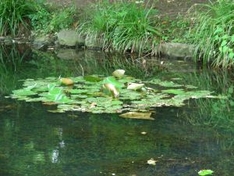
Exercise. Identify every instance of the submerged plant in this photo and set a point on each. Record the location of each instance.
(124, 26)
(214, 34)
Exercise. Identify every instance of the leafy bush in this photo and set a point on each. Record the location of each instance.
(214, 34)
(18, 16)
(14, 15)
(46, 21)
(124, 26)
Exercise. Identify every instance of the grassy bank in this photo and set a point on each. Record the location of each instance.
(131, 26)
(20, 17)
(124, 27)
(213, 34)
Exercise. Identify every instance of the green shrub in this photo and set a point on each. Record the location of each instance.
(124, 26)
(14, 15)
(19, 16)
(214, 34)
(47, 21)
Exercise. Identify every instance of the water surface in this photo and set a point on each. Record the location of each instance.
(35, 142)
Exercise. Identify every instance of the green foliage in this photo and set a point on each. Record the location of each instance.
(214, 34)
(46, 21)
(14, 15)
(41, 19)
(176, 30)
(124, 26)
(18, 16)
(205, 172)
(87, 94)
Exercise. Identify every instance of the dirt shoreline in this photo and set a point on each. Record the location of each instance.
(167, 8)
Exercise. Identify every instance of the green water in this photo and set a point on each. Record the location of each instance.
(183, 140)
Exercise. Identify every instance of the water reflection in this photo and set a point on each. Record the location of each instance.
(181, 140)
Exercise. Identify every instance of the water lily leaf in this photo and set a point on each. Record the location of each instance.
(88, 94)
(119, 73)
(92, 78)
(23, 92)
(174, 91)
(164, 83)
(63, 99)
(116, 102)
(198, 94)
(77, 91)
(38, 99)
(55, 90)
(79, 96)
(113, 81)
(79, 79)
(40, 89)
(137, 115)
(130, 95)
(205, 172)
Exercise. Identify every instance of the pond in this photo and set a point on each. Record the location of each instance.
(180, 141)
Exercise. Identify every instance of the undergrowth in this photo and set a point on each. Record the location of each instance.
(18, 17)
(14, 16)
(123, 26)
(48, 21)
(214, 34)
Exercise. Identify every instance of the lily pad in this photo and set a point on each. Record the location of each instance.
(99, 94)
(23, 92)
(174, 91)
(205, 172)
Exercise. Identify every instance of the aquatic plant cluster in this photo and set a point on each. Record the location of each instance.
(99, 94)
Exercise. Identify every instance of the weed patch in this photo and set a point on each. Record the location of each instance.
(124, 26)
(214, 34)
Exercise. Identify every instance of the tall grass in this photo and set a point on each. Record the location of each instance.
(18, 17)
(214, 34)
(125, 26)
(14, 15)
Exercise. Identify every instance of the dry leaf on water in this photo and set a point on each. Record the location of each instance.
(135, 86)
(151, 161)
(66, 81)
(137, 115)
(118, 73)
(112, 89)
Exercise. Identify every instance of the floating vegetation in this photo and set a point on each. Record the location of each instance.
(112, 94)
(137, 115)
(205, 172)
